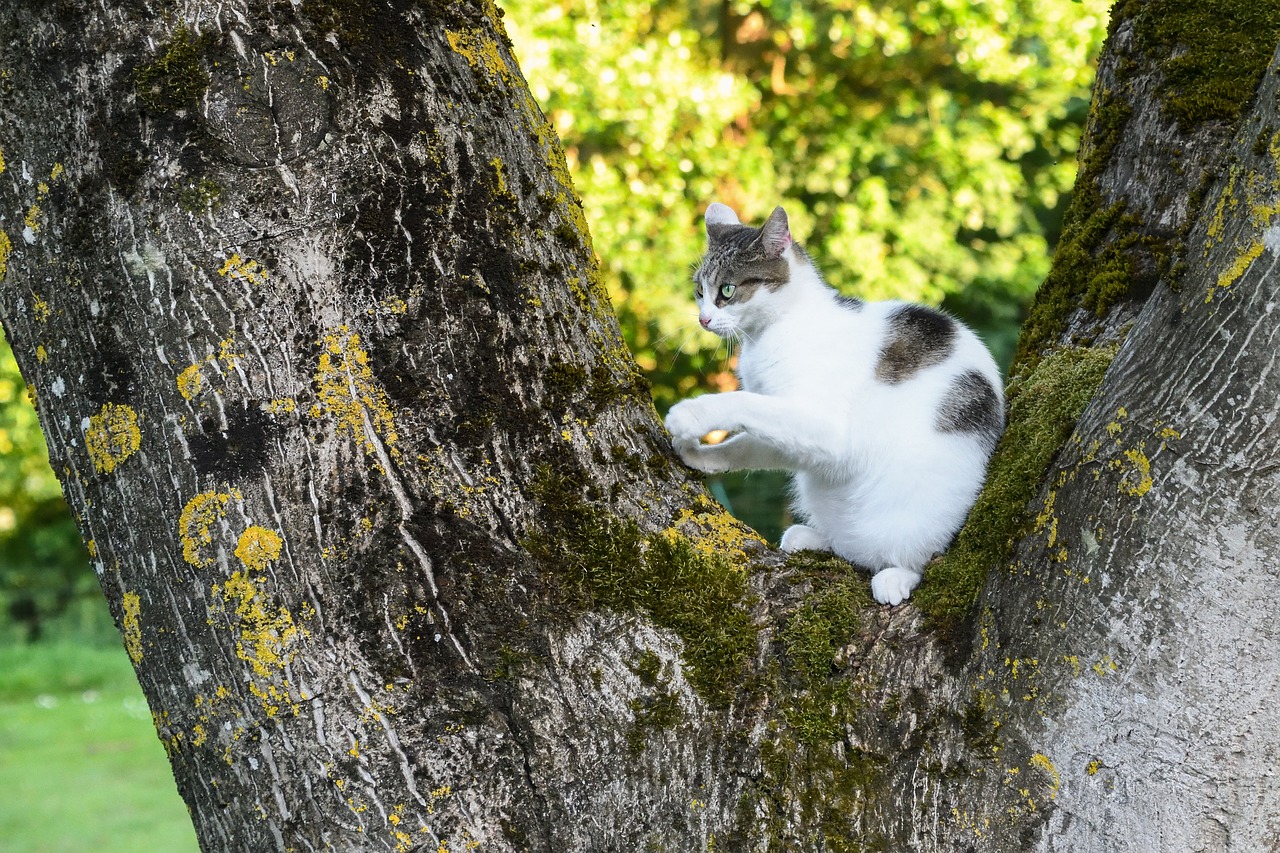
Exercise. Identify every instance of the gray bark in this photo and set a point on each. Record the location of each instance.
(399, 549)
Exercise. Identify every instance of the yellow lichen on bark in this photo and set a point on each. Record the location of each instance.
(6, 249)
(244, 269)
(258, 547)
(1237, 269)
(713, 532)
(195, 524)
(350, 394)
(132, 606)
(190, 381)
(1043, 763)
(266, 637)
(40, 308)
(112, 437)
(480, 51)
(1137, 481)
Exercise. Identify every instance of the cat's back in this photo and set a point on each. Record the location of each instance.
(919, 343)
(936, 375)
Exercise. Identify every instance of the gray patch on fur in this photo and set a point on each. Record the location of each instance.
(917, 337)
(972, 406)
(736, 255)
(850, 302)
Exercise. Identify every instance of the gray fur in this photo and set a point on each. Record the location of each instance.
(972, 405)
(917, 337)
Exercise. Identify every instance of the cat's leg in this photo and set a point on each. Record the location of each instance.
(800, 537)
(893, 585)
(788, 433)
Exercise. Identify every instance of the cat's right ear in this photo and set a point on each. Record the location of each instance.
(720, 215)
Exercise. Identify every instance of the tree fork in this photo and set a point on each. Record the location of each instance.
(397, 544)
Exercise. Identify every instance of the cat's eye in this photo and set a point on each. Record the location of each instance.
(726, 291)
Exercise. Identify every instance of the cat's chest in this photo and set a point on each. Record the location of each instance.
(806, 360)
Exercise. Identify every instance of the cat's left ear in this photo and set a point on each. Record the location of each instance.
(775, 234)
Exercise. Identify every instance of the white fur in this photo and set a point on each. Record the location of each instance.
(877, 482)
(720, 214)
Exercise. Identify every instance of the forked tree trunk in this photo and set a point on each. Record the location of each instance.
(400, 552)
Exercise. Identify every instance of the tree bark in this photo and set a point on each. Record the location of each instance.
(397, 544)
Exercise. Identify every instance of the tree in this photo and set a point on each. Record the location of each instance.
(400, 551)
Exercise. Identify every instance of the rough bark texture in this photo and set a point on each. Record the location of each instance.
(400, 553)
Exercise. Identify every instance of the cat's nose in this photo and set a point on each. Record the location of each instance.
(704, 320)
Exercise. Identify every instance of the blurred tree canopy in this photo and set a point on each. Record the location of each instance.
(924, 149)
(43, 566)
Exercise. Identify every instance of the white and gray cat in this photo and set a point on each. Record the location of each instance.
(886, 412)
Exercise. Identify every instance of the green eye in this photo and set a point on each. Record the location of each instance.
(726, 291)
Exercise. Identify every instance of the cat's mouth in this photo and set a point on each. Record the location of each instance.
(716, 436)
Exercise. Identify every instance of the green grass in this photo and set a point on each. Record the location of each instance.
(80, 765)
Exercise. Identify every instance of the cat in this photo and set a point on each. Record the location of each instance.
(886, 413)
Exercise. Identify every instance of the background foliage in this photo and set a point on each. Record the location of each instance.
(44, 570)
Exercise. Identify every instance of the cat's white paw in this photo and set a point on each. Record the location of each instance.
(690, 420)
(710, 459)
(893, 586)
(798, 537)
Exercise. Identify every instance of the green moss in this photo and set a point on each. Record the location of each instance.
(647, 668)
(199, 196)
(1212, 54)
(978, 730)
(176, 78)
(824, 623)
(1094, 265)
(810, 768)
(658, 711)
(351, 21)
(600, 561)
(564, 379)
(1043, 409)
(825, 785)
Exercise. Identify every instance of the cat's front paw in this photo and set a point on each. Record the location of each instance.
(893, 586)
(704, 458)
(689, 420)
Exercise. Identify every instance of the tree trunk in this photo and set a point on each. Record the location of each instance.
(400, 552)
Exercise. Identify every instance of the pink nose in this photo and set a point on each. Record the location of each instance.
(704, 320)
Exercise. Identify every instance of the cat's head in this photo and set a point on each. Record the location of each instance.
(739, 282)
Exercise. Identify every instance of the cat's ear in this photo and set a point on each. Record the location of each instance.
(720, 215)
(775, 234)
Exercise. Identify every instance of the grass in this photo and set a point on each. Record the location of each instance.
(80, 765)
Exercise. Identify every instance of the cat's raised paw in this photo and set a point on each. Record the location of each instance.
(707, 458)
(688, 422)
(799, 537)
(893, 586)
